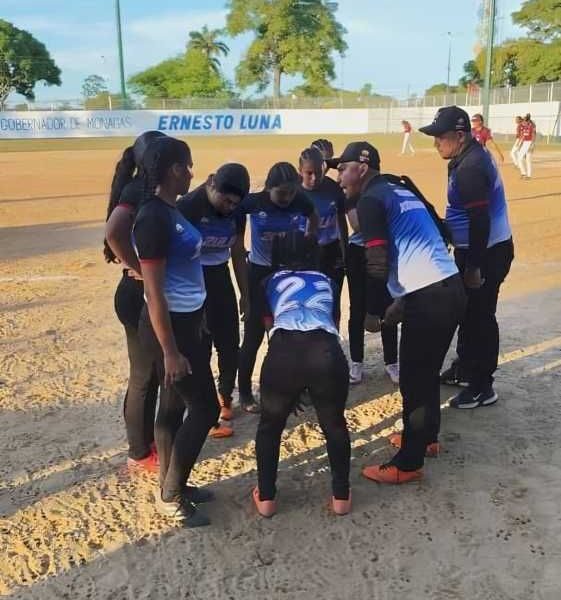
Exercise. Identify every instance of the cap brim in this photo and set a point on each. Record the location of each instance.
(332, 163)
(431, 130)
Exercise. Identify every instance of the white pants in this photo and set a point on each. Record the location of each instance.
(407, 145)
(525, 155)
(514, 152)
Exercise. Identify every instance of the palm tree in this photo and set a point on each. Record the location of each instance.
(208, 43)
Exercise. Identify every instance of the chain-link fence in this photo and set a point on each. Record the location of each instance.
(541, 92)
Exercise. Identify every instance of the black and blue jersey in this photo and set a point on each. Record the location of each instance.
(161, 232)
(475, 182)
(329, 202)
(219, 232)
(393, 216)
(300, 301)
(267, 220)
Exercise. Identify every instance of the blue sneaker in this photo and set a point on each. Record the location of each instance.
(467, 399)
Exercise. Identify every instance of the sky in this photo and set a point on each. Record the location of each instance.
(398, 46)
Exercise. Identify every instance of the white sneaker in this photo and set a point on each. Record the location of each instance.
(393, 372)
(355, 373)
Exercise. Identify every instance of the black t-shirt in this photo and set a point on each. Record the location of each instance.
(219, 232)
(132, 194)
(329, 202)
(268, 220)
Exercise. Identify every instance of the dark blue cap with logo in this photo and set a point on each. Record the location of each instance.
(449, 118)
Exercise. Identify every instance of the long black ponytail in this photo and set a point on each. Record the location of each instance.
(124, 173)
(160, 155)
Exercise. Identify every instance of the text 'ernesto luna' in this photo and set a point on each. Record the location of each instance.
(220, 121)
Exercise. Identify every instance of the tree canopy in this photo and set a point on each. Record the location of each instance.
(24, 61)
(93, 86)
(208, 42)
(291, 37)
(190, 74)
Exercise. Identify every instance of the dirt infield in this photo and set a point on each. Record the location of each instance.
(484, 523)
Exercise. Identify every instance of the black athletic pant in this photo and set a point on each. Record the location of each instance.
(180, 441)
(357, 281)
(430, 318)
(142, 390)
(331, 264)
(254, 329)
(297, 361)
(478, 334)
(222, 319)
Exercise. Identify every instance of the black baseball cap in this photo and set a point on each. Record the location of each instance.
(361, 152)
(449, 118)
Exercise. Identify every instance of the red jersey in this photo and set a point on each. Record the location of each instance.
(482, 135)
(406, 127)
(519, 131)
(527, 130)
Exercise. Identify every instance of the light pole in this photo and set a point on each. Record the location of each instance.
(449, 61)
(491, 10)
(120, 50)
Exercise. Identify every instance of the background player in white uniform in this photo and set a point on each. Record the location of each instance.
(407, 146)
(528, 135)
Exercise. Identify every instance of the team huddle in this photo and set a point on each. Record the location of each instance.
(307, 231)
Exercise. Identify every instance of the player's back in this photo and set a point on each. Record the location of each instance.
(301, 301)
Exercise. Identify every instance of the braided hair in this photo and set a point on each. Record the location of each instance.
(123, 175)
(281, 173)
(295, 251)
(314, 156)
(128, 168)
(159, 157)
(324, 146)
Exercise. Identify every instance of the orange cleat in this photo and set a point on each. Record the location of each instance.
(150, 463)
(266, 508)
(432, 450)
(226, 412)
(390, 474)
(220, 431)
(341, 507)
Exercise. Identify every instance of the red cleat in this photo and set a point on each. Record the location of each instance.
(391, 474)
(266, 508)
(432, 450)
(150, 463)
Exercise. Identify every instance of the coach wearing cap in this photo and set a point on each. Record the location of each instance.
(405, 249)
(477, 217)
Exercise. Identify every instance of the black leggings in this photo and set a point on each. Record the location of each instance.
(331, 264)
(223, 324)
(297, 361)
(478, 334)
(180, 441)
(357, 281)
(430, 318)
(254, 330)
(142, 390)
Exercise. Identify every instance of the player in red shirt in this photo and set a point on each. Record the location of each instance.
(483, 135)
(517, 142)
(407, 146)
(528, 137)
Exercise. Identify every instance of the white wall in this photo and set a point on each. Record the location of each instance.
(501, 117)
(64, 124)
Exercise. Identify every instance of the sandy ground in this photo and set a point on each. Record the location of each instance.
(484, 524)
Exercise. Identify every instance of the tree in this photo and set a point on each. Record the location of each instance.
(186, 75)
(93, 86)
(208, 43)
(24, 61)
(366, 90)
(541, 17)
(472, 74)
(441, 88)
(291, 37)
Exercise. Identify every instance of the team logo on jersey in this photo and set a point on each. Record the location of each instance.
(262, 215)
(205, 220)
(179, 228)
